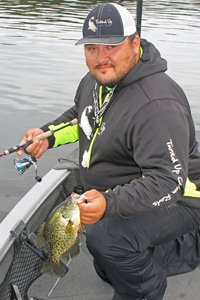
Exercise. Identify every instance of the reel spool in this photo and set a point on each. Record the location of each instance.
(21, 165)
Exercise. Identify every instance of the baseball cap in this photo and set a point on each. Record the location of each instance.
(107, 24)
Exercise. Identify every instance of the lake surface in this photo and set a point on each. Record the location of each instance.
(40, 69)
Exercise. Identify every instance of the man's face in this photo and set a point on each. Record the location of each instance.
(110, 64)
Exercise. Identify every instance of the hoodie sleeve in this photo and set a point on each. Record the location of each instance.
(159, 138)
(66, 135)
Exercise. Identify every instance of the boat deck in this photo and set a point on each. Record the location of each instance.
(82, 283)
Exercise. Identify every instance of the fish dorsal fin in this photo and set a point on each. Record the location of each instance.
(40, 240)
(73, 251)
(69, 226)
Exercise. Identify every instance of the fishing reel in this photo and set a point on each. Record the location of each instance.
(21, 165)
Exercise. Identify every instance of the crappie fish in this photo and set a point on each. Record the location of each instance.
(60, 234)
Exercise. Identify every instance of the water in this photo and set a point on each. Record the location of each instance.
(40, 69)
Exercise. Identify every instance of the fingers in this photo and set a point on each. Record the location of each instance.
(92, 194)
(90, 217)
(20, 152)
(35, 149)
(26, 138)
(38, 147)
(88, 220)
(94, 209)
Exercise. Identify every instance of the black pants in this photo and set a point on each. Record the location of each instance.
(136, 255)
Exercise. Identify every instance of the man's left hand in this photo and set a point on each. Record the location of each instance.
(93, 209)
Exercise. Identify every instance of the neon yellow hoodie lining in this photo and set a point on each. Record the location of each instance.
(191, 189)
(97, 130)
(66, 135)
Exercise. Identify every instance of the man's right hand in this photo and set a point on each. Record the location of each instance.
(37, 148)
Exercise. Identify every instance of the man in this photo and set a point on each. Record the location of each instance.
(137, 150)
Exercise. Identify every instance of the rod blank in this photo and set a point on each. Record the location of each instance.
(41, 136)
(139, 16)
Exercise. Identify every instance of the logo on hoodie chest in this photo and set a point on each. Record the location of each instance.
(85, 124)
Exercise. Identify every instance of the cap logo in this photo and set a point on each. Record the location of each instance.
(92, 22)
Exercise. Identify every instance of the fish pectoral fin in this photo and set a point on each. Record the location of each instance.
(40, 240)
(73, 251)
(82, 229)
(69, 226)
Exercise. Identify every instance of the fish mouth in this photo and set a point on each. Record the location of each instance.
(76, 198)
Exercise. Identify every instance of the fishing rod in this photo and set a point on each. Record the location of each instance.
(24, 164)
(139, 16)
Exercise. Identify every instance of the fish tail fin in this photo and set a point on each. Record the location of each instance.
(40, 240)
(73, 251)
(50, 266)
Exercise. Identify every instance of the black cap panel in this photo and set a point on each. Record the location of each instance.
(104, 20)
(107, 24)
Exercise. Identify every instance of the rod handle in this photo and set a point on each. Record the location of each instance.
(74, 122)
(46, 134)
(43, 136)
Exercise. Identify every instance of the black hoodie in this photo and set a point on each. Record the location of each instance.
(145, 147)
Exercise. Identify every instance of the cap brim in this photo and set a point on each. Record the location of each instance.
(102, 40)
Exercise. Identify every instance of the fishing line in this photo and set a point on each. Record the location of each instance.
(66, 159)
(53, 287)
(70, 259)
(5, 157)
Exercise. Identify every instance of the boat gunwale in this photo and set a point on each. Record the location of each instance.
(28, 205)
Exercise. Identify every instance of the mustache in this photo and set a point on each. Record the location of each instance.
(103, 65)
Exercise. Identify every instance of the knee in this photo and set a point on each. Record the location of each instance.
(117, 233)
(97, 239)
(90, 236)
